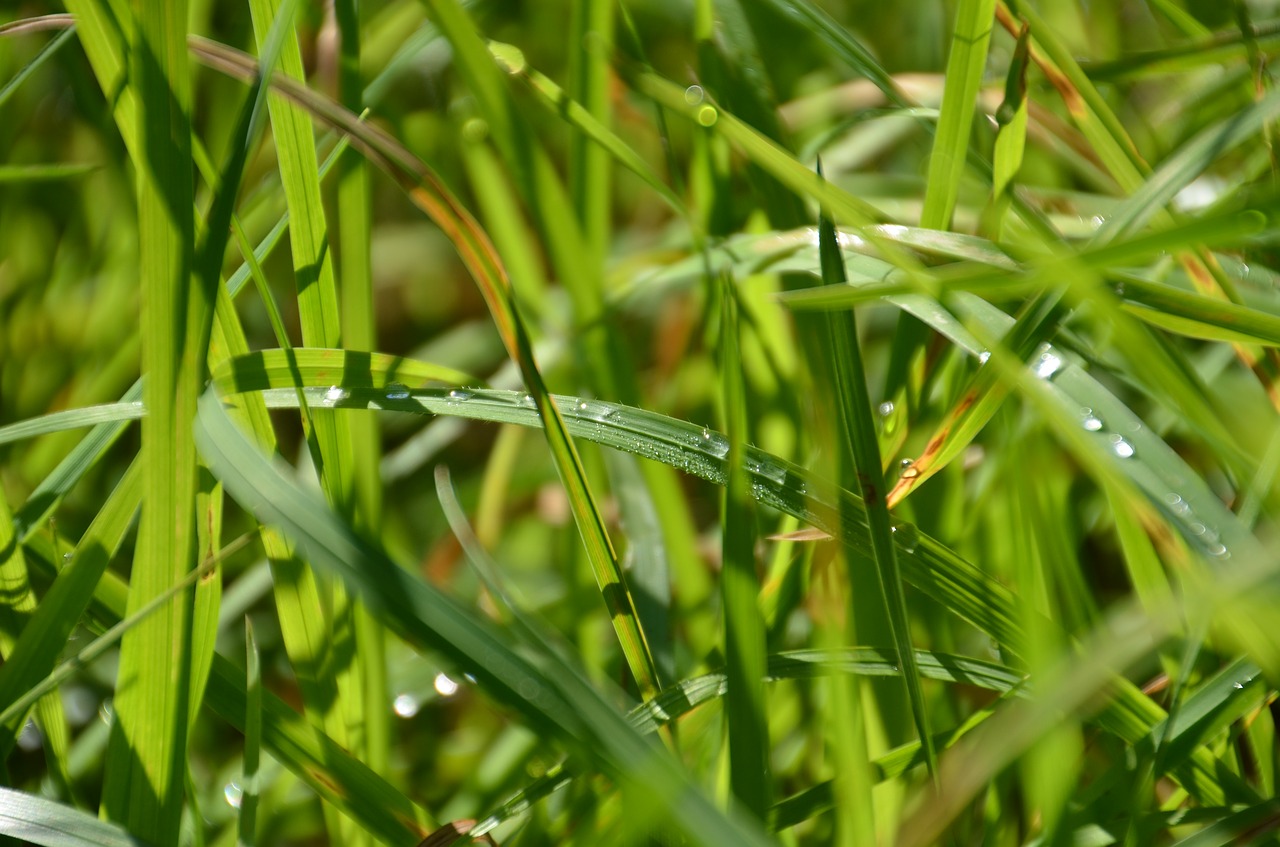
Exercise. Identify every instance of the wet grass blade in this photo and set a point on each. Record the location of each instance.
(553, 697)
(37, 820)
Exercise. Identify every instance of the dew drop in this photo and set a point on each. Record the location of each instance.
(397, 391)
(1097, 220)
(30, 739)
(1218, 551)
(458, 394)
(693, 95)
(67, 557)
(526, 400)
(444, 686)
(1120, 447)
(405, 705)
(1091, 423)
(906, 463)
(910, 473)
(1198, 529)
(715, 444)
(233, 794)
(984, 356)
(1048, 364)
(1238, 686)
(707, 116)
(906, 536)
(885, 409)
(336, 394)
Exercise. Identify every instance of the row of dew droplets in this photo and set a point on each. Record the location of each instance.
(1050, 363)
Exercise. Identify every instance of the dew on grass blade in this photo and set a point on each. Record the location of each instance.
(885, 409)
(397, 391)
(458, 395)
(233, 794)
(405, 705)
(906, 536)
(444, 686)
(1120, 447)
(1048, 364)
(693, 95)
(335, 394)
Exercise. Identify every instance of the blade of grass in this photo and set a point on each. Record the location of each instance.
(861, 449)
(143, 785)
(355, 239)
(38, 820)
(965, 65)
(744, 635)
(247, 825)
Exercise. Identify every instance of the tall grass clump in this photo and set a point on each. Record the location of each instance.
(585, 422)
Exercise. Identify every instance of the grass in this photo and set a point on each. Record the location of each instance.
(587, 465)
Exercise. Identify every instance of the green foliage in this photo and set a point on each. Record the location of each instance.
(977, 549)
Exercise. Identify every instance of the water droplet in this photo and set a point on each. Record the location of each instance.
(68, 556)
(906, 463)
(396, 391)
(594, 410)
(1120, 447)
(910, 472)
(1097, 220)
(907, 536)
(1119, 289)
(885, 409)
(526, 400)
(405, 705)
(1218, 551)
(984, 356)
(1091, 423)
(693, 95)
(459, 394)
(30, 738)
(233, 794)
(715, 444)
(1048, 364)
(1198, 528)
(336, 394)
(106, 711)
(1238, 686)
(707, 116)
(444, 686)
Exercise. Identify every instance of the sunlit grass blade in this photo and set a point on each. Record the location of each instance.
(555, 98)
(145, 764)
(965, 66)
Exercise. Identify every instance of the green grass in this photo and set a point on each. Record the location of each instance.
(586, 465)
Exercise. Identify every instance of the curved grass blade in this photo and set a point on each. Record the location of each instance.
(46, 53)
(548, 693)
